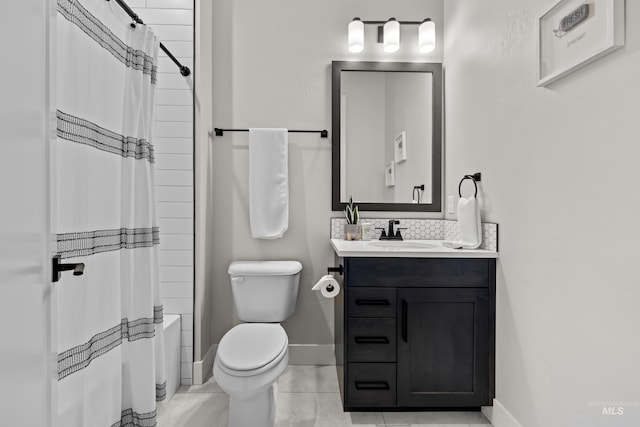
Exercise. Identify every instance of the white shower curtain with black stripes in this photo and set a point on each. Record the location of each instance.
(109, 321)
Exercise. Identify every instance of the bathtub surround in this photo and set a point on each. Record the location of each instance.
(560, 176)
(109, 321)
(173, 23)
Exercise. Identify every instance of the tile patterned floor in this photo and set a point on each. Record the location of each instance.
(308, 396)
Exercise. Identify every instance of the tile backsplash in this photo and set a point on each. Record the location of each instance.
(423, 229)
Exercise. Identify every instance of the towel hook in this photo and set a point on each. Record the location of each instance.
(475, 178)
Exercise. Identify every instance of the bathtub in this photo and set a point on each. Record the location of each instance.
(171, 326)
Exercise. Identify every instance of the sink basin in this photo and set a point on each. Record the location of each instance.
(400, 244)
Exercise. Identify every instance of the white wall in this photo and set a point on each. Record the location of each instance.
(272, 69)
(172, 20)
(559, 174)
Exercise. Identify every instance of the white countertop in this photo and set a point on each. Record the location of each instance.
(405, 249)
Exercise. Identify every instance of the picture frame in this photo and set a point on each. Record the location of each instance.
(390, 174)
(400, 147)
(574, 33)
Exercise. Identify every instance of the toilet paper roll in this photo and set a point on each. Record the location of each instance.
(328, 286)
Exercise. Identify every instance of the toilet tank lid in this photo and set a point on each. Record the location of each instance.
(264, 268)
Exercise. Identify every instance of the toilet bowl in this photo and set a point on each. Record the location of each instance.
(251, 356)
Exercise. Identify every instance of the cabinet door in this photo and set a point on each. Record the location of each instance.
(443, 347)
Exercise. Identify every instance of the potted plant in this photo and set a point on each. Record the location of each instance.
(352, 227)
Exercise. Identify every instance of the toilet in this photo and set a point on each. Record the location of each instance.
(252, 355)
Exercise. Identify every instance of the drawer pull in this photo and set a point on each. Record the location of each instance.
(405, 313)
(372, 340)
(372, 302)
(372, 385)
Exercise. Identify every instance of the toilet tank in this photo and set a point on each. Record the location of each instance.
(265, 291)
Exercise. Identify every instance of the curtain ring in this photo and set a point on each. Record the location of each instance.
(472, 178)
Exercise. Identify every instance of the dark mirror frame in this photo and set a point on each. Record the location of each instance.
(419, 67)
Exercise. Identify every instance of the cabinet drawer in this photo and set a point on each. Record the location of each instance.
(371, 302)
(418, 272)
(371, 385)
(371, 340)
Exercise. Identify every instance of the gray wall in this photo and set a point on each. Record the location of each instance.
(560, 175)
(272, 69)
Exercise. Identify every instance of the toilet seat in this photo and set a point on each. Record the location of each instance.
(249, 349)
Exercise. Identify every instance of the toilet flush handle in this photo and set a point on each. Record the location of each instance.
(237, 279)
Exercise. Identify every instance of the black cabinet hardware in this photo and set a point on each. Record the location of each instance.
(372, 385)
(405, 309)
(372, 302)
(371, 340)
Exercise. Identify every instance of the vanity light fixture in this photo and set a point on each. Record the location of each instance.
(389, 34)
(356, 35)
(427, 36)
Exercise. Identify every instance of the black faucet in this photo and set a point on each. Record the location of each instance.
(391, 234)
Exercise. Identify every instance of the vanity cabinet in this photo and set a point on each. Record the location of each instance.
(416, 333)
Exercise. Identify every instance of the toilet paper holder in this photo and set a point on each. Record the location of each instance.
(339, 269)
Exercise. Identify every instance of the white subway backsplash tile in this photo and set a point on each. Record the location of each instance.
(174, 210)
(175, 225)
(174, 97)
(178, 290)
(174, 113)
(187, 322)
(178, 306)
(170, 129)
(176, 258)
(173, 81)
(168, 17)
(174, 194)
(174, 162)
(173, 146)
(186, 370)
(186, 338)
(172, 178)
(176, 274)
(186, 354)
(183, 33)
(176, 241)
(167, 66)
(171, 4)
(179, 49)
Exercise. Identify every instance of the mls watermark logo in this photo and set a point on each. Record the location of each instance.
(613, 410)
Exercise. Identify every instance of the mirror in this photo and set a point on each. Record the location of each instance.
(387, 135)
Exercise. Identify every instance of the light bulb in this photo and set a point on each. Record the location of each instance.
(391, 35)
(356, 35)
(427, 36)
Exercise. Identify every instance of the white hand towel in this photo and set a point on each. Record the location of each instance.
(468, 224)
(268, 183)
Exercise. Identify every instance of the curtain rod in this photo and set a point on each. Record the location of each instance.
(184, 70)
(323, 133)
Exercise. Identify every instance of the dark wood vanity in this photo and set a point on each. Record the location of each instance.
(415, 333)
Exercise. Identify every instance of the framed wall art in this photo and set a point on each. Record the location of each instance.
(574, 33)
(400, 147)
(390, 174)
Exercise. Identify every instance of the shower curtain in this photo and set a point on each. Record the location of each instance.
(109, 321)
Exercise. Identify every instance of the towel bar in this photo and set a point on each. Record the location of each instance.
(323, 133)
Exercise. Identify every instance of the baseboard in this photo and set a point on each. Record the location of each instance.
(203, 369)
(499, 416)
(311, 354)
